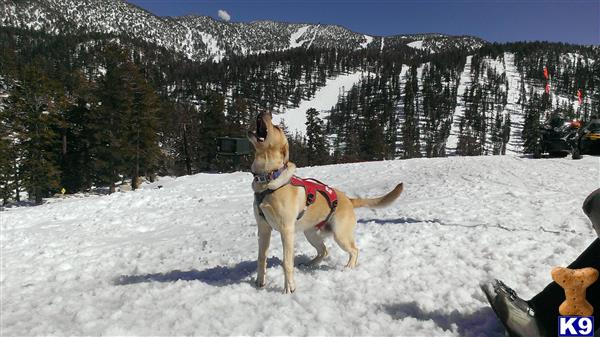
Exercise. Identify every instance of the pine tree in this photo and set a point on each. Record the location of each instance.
(32, 105)
(506, 126)
(410, 129)
(374, 145)
(77, 164)
(7, 157)
(298, 149)
(110, 121)
(143, 129)
(496, 134)
(212, 125)
(315, 139)
(531, 125)
(471, 138)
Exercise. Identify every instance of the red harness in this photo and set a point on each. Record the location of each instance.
(311, 187)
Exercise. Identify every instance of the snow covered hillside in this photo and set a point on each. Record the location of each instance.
(180, 260)
(459, 112)
(326, 97)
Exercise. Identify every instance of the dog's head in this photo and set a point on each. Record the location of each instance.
(270, 143)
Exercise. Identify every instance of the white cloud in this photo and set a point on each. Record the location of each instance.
(224, 15)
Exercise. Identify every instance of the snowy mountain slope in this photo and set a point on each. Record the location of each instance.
(296, 39)
(435, 43)
(419, 103)
(323, 100)
(459, 112)
(515, 144)
(418, 44)
(105, 16)
(201, 37)
(400, 110)
(180, 260)
(491, 68)
(517, 86)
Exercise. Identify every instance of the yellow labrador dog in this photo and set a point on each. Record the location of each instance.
(282, 206)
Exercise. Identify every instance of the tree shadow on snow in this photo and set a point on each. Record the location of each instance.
(217, 276)
(482, 323)
(398, 221)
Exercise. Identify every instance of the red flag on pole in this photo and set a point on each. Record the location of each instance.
(579, 96)
(547, 88)
(545, 72)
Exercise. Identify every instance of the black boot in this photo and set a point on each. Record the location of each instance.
(513, 312)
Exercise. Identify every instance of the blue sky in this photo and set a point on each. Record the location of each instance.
(573, 21)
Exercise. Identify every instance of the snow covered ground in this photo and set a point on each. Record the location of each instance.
(180, 260)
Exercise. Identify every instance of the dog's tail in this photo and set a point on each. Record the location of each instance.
(379, 202)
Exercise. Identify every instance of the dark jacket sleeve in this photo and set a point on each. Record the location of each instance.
(591, 207)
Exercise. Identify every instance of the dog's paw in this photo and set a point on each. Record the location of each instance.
(314, 262)
(289, 288)
(259, 284)
(349, 266)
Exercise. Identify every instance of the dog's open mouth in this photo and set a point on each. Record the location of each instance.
(261, 129)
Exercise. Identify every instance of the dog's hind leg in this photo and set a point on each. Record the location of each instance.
(316, 241)
(343, 233)
(348, 244)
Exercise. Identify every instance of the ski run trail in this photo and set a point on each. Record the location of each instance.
(459, 112)
(324, 99)
(180, 260)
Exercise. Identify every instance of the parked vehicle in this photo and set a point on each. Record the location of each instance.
(588, 139)
(558, 138)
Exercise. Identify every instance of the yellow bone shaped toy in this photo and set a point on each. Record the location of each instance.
(575, 282)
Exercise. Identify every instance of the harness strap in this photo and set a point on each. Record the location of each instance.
(325, 222)
(311, 187)
(259, 197)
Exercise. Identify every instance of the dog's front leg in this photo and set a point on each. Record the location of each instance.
(287, 237)
(264, 238)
